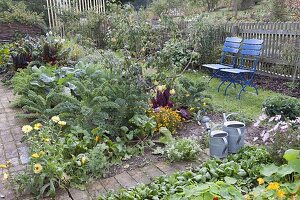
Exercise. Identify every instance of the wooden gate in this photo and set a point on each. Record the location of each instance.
(55, 7)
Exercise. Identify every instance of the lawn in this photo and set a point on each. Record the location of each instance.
(249, 106)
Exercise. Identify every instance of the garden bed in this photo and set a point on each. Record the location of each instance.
(278, 85)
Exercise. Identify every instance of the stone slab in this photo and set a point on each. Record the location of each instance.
(111, 184)
(126, 180)
(139, 176)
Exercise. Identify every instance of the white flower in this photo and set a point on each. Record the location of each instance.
(266, 136)
(284, 128)
(271, 119)
(277, 118)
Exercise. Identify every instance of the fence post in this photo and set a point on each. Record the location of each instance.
(235, 30)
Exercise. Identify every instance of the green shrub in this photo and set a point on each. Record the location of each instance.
(287, 107)
(182, 149)
(11, 12)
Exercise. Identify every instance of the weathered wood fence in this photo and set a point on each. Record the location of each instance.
(281, 48)
(56, 7)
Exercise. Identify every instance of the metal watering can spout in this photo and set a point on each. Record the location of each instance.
(206, 121)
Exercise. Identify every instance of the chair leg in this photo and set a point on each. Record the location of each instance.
(227, 88)
(221, 84)
(210, 80)
(243, 89)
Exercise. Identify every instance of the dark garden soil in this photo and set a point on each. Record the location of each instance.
(278, 85)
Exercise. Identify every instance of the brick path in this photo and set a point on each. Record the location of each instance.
(126, 179)
(11, 149)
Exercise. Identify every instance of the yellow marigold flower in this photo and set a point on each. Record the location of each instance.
(159, 88)
(3, 166)
(247, 197)
(37, 168)
(35, 155)
(27, 128)
(62, 123)
(37, 126)
(273, 186)
(5, 176)
(83, 160)
(260, 181)
(172, 92)
(47, 139)
(55, 119)
(97, 138)
(280, 193)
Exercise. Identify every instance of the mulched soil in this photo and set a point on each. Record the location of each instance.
(135, 162)
(277, 85)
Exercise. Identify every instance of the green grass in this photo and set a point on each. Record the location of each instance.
(249, 106)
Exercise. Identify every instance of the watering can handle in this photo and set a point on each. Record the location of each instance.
(226, 144)
(226, 116)
(240, 136)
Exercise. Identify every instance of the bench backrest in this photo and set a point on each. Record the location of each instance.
(251, 50)
(231, 49)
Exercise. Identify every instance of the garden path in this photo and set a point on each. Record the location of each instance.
(128, 179)
(11, 148)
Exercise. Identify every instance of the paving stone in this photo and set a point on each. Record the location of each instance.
(96, 189)
(4, 132)
(165, 167)
(7, 137)
(79, 194)
(126, 180)
(111, 184)
(180, 166)
(139, 176)
(17, 168)
(10, 150)
(152, 171)
(4, 126)
(24, 156)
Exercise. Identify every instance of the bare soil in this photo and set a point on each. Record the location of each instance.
(278, 85)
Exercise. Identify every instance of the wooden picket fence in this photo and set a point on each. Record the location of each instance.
(56, 7)
(281, 48)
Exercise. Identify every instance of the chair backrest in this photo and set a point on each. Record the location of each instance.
(251, 50)
(231, 49)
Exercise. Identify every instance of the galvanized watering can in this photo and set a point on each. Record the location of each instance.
(218, 140)
(218, 143)
(236, 133)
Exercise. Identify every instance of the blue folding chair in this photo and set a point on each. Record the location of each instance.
(244, 75)
(230, 49)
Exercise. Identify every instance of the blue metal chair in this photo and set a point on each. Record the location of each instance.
(230, 49)
(244, 75)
